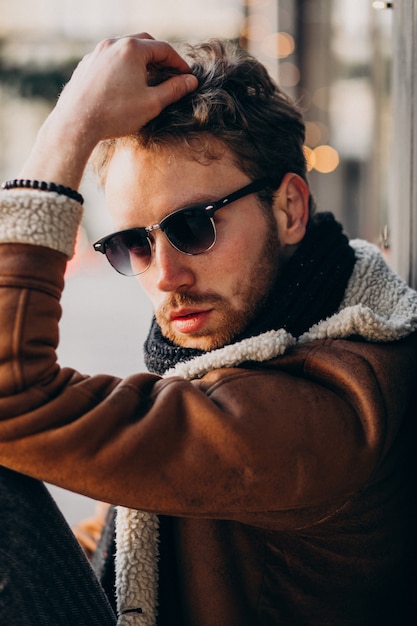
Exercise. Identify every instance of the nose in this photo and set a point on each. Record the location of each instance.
(171, 269)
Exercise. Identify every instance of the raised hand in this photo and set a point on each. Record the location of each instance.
(108, 96)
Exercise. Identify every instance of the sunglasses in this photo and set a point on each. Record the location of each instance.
(190, 230)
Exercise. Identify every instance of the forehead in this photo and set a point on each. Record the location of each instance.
(143, 185)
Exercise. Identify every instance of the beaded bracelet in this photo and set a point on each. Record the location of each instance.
(21, 183)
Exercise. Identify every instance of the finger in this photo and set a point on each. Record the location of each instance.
(162, 54)
(153, 52)
(175, 88)
(143, 35)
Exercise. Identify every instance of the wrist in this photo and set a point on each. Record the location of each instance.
(39, 218)
(60, 154)
(41, 185)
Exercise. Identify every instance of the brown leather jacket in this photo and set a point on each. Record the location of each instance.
(289, 484)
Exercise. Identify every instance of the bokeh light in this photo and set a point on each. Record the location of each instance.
(289, 74)
(326, 159)
(316, 133)
(278, 45)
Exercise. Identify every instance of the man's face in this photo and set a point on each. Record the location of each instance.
(200, 301)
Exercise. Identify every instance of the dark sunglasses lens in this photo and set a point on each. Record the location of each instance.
(129, 252)
(190, 231)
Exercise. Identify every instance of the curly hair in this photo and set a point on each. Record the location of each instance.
(237, 105)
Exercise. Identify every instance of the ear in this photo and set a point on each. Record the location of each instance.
(291, 209)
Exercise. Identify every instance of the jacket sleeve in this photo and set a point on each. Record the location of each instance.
(245, 443)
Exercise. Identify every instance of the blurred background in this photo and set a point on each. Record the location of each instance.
(334, 57)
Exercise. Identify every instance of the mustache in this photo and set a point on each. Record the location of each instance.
(180, 299)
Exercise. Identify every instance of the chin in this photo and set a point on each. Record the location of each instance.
(203, 342)
(197, 343)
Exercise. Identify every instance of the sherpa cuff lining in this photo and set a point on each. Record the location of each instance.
(41, 218)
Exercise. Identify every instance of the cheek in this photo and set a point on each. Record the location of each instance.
(237, 254)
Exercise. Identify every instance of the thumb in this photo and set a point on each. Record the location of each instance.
(175, 88)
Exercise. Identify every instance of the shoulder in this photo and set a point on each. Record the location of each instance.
(372, 383)
(329, 356)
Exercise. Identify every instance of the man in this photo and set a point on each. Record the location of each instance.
(264, 469)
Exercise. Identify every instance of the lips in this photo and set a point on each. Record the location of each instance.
(188, 321)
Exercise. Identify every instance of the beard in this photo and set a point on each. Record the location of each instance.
(251, 291)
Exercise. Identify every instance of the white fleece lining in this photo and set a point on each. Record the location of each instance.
(137, 556)
(41, 218)
(378, 305)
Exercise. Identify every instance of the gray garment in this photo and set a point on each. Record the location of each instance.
(45, 578)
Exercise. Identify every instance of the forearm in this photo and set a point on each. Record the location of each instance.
(60, 153)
